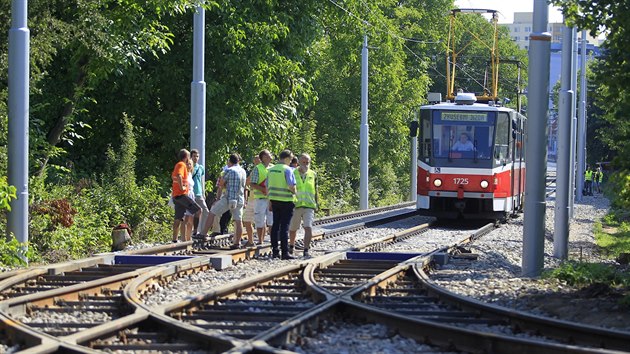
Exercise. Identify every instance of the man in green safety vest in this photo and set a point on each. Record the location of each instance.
(588, 179)
(306, 203)
(597, 179)
(281, 190)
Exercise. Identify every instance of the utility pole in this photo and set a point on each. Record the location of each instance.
(536, 149)
(564, 164)
(581, 137)
(574, 67)
(364, 127)
(198, 87)
(19, 46)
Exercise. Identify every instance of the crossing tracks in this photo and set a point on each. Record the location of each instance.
(271, 311)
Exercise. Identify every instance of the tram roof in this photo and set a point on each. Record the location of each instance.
(451, 106)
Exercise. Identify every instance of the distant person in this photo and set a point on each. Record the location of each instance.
(180, 187)
(294, 163)
(588, 181)
(463, 144)
(597, 179)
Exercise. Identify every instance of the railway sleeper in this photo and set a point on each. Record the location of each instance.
(154, 347)
(227, 312)
(108, 310)
(242, 316)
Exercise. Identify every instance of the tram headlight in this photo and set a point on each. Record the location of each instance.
(437, 182)
(484, 184)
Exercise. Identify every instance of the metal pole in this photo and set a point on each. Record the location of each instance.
(414, 164)
(364, 126)
(536, 149)
(564, 165)
(581, 136)
(572, 167)
(17, 222)
(198, 87)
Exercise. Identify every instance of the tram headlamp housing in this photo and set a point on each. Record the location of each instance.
(484, 184)
(437, 182)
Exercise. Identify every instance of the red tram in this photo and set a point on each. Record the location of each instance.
(471, 159)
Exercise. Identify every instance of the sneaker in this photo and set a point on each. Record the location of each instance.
(235, 247)
(306, 254)
(199, 236)
(249, 244)
(291, 248)
(275, 255)
(175, 241)
(287, 257)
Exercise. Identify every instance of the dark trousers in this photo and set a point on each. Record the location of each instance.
(225, 220)
(282, 213)
(589, 187)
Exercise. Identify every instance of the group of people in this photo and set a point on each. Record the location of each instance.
(280, 198)
(593, 180)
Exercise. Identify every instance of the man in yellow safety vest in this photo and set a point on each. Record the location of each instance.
(306, 203)
(281, 190)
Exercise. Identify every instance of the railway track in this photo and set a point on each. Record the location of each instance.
(274, 310)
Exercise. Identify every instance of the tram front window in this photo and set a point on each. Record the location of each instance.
(460, 141)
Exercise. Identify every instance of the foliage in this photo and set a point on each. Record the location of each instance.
(612, 72)
(7, 193)
(579, 273)
(13, 253)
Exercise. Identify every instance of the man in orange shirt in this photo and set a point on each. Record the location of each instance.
(180, 192)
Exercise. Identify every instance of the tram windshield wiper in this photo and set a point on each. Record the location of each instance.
(450, 150)
(475, 150)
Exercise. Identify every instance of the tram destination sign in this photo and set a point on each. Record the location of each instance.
(465, 116)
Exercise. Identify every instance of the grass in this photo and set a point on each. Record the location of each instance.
(612, 236)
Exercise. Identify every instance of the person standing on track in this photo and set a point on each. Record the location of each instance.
(281, 190)
(263, 217)
(248, 214)
(232, 199)
(306, 203)
(180, 187)
(588, 177)
(199, 188)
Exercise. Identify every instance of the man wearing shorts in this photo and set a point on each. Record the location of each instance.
(232, 198)
(200, 191)
(248, 214)
(263, 217)
(306, 203)
(181, 199)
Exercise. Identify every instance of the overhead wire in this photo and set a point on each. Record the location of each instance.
(396, 36)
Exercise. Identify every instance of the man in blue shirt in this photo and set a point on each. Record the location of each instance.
(198, 175)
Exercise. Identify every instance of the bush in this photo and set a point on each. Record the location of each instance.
(582, 273)
(13, 253)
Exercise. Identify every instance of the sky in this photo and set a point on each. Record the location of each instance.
(507, 8)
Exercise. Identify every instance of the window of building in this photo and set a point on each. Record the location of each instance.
(528, 29)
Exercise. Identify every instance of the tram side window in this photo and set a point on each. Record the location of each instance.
(502, 147)
(425, 135)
